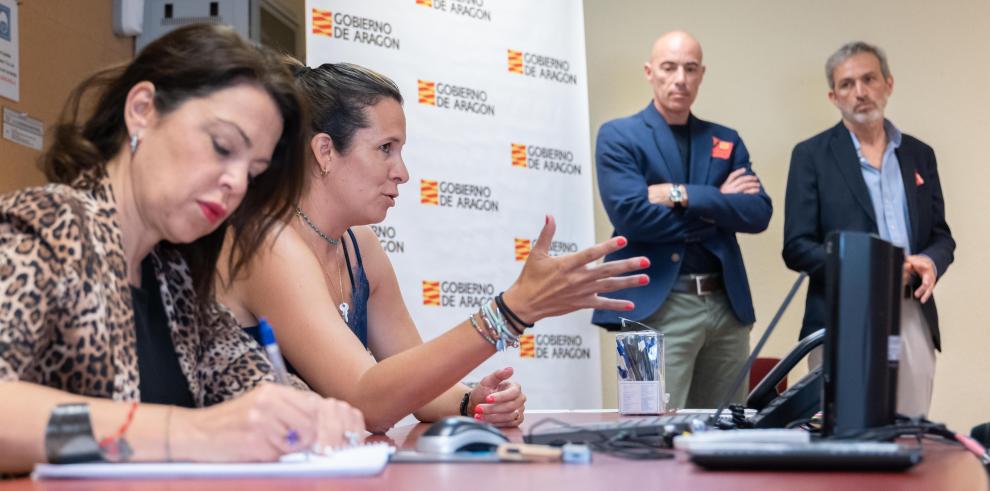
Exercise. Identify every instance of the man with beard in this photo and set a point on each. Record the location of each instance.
(863, 174)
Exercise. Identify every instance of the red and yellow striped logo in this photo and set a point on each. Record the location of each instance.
(323, 22)
(518, 155)
(431, 292)
(428, 192)
(515, 61)
(527, 346)
(523, 246)
(427, 92)
(425, 3)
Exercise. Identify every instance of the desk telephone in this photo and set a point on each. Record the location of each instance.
(800, 401)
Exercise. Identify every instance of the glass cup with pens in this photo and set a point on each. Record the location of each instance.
(640, 367)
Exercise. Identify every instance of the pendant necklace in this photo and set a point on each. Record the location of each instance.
(343, 307)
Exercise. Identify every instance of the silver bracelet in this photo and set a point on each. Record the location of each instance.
(494, 317)
(492, 331)
(489, 328)
(480, 331)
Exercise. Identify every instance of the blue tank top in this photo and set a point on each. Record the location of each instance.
(357, 318)
(360, 290)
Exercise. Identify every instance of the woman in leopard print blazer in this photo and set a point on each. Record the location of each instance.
(155, 178)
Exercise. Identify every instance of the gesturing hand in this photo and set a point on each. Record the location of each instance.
(559, 285)
(740, 182)
(498, 401)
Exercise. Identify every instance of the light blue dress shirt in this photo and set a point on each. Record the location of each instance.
(887, 190)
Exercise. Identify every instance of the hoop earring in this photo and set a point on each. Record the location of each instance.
(324, 172)
(134, 143)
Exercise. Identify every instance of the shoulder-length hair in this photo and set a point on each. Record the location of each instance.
(190, 62)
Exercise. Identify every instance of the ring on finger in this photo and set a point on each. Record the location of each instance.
(351, 437)
(292, 438)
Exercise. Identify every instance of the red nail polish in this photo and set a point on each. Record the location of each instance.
(629, 307)
(477, 416)
(478, 409)
(644, 280)
(621, 241)
(490, 399)
(546, 219)
(644, 263)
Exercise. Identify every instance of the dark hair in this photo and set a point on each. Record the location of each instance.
(338, 94)
(190, 62)
(849, 50)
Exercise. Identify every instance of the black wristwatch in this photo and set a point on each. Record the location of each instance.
(69, 435)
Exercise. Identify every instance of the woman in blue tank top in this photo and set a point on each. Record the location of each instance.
(330, 292)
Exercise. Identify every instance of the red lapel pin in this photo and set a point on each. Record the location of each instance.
(721, 149)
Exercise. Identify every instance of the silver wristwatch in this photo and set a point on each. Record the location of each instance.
(677, 195)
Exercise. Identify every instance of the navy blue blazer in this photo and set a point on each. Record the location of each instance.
(826, 192)
(637, 151)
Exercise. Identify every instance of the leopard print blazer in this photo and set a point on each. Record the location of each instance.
(66, 319)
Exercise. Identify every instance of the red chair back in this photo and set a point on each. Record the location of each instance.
(761, 367)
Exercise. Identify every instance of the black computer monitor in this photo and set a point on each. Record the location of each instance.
(862, 343)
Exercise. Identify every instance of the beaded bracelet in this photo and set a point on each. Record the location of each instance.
(478, 328)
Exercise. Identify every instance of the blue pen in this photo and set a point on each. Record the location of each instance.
(651, 356)
(274, 354)
(630, 364)
(278, 367)
(621, 363)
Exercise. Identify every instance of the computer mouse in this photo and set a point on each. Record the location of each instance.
(459, 434)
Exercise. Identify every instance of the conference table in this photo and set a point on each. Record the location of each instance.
(944, 467)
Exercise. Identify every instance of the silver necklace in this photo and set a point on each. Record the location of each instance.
(343, 307)
(330, 240)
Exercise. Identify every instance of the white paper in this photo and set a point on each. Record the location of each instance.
(368, 460)
(893, 348)
(10, 69)
(639, 397)
(20, 128)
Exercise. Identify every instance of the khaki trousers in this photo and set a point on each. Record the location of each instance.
(916, 369)
(704, 349)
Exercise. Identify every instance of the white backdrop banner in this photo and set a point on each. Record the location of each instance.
(497, 120)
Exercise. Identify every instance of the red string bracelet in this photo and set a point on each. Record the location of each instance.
(114, 447)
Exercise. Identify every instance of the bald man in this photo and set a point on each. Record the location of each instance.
(680, 188)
